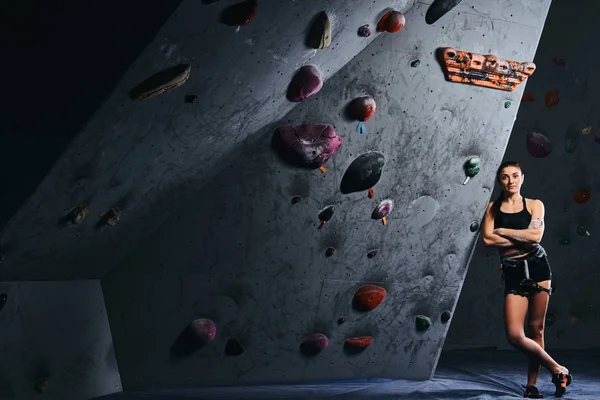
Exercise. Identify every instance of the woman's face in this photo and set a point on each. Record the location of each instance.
(511, 178)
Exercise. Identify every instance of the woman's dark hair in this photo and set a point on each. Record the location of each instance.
(498, 202)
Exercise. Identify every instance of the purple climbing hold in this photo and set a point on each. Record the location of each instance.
(314, 344)
(304, 84)
(205, 329)
(383, 209)
(597, 137)
(307, 145)
(364, 31)
(538, 144)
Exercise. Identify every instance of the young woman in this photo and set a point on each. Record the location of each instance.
(515, 226)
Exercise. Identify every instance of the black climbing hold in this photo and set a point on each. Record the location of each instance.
(191, 98)
(363, 173)
(364, 31)
(233, 347)
(3, 299)
(446, 315)
(326, 213)
(474, 226)
(296, 199)
(372, 253)
(438, 9)
(330, 251)
(423, 323)
(341, 320)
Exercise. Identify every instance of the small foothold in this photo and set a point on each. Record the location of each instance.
(392, 21)
(360, 342)
(369, 297)
(574, 320)
(341, 320)
(474, 226)
(550, 319)
(3, 299)
(314, 344)
(416, 63)
(383, 209)
(552, 98)
(296, 199)
(204, 329)
(364, 31)
(372, 253)
(112, 216)
(582, 196)
(330, 251)
(473, 166)
(570, 144)
(582, 231)
(233, 347)
(507, 104)
(79, 214)
(191, 98)
(423, 323)
(564, 242)
(41, 386)
(586, 130)
(446, 315)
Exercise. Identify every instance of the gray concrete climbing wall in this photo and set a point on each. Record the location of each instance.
(56, 332)
(574, 307)
(241, 254)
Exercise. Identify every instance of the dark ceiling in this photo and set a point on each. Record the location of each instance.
(60, 60)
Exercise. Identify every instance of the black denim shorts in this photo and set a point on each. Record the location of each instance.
(514, 272)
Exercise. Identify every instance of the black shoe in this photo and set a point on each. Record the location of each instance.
(532, 392)
(561, 381)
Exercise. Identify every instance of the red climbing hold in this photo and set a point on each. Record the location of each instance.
(307, 82)
(527, 97)
(552, 98)
(240, 14)
(581, 196)
(369, 297)
(359, 342)
(392, 21)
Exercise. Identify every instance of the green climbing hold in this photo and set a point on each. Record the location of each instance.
(507, 104)
(423, 323)
(416, 63)
(571, 144)
(473, 166)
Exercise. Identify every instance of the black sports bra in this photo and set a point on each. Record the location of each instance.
(520, 220)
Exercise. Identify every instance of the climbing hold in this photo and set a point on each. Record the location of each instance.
(564, 242)
(112, 216)
(204, 329)
(586, 131)
(41, 386)
(330, 251)
(79, 214)
(527, 97)
(446, 315)
(550, 319)
(582, 230)
(360, 342)
(296, 199)
(582, 196)
(570, 143)
(507, 104)
(552, 98)
(239, 14)
(341, 320)
(364, 31)
(574, 320)
(483, 70)
(597, 137)
(362, 109)
(191, 98)
(161, 82)
(382, 210)
(392, 21)
(3, 299)
(438, 9)
(325, 215)
(423, 323)
(372, 253)
(314, 344)
(368, 297)
(538, 145)
(474, 226)
(363, 173)
(472, 167)
(319, 36)
(307, 82)
(233, 347)
(309, 146)
(416, 63)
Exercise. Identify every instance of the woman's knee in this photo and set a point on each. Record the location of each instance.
(515, 338)
(535, 330)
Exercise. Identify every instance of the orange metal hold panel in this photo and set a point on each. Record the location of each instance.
(484, 70)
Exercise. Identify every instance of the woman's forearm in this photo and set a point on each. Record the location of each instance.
(498, 241)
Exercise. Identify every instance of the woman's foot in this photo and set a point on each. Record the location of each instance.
(532, 392)
(561, 379)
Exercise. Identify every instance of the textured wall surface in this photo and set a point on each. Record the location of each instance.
(147, 157)
(56, 331)
(575, 304)
(242, 255)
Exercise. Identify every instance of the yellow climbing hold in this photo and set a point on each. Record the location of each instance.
(586, 131)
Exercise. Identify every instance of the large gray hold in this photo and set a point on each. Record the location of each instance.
(363, 173)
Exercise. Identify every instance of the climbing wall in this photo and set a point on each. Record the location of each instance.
(561, 105)
(55, 342)
(326, 248)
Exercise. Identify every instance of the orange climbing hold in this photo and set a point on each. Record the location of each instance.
(527, 97)
(323, 169)
(392, 21)
(368, 297)
(371, 193)
(359, 342)
(552, 98)
(581, 196)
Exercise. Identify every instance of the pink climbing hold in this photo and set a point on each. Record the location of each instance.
(314, 344)
(308, 145)
(205, 329)
(304, 84)
(538, 145)
(383, 209)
